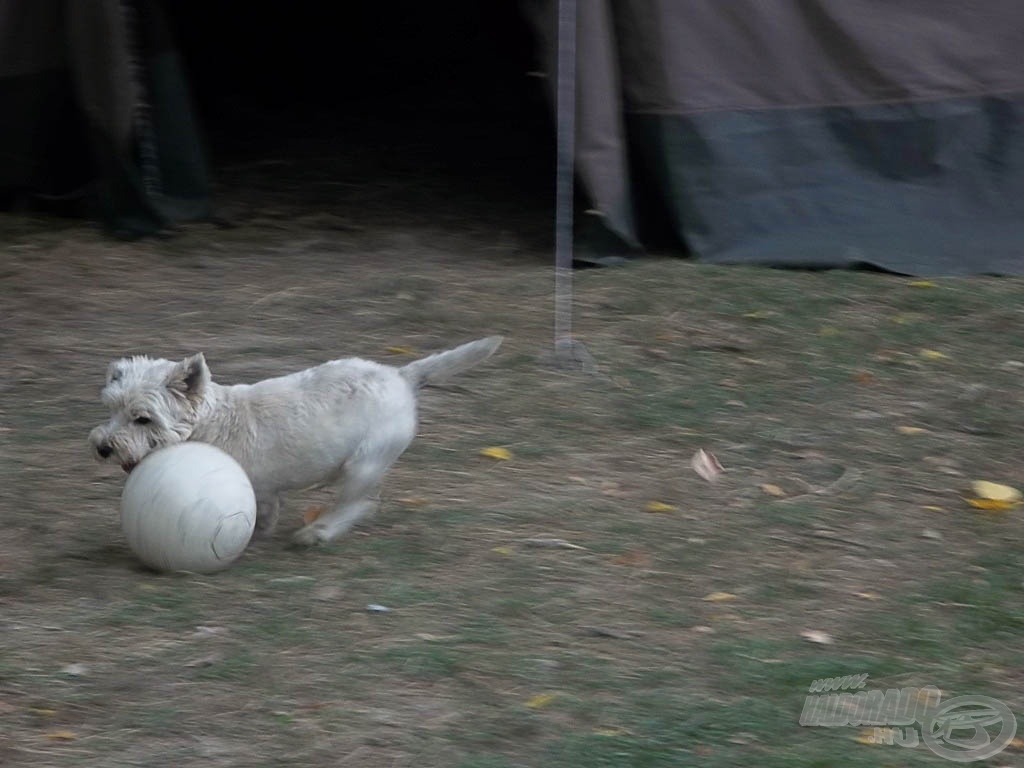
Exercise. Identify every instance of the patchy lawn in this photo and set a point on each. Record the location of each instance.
(851, 411)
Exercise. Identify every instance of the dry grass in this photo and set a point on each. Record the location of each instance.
(793, 379)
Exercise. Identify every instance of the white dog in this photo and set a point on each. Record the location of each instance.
(343, 423)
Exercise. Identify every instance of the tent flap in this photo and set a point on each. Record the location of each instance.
(822, 133)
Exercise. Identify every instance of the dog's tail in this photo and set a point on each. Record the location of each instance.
(444, 364)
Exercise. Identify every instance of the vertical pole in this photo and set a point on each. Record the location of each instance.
(564, 174)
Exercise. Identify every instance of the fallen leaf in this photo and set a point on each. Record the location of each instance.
(760, 314)
(633, 559)
(921, 284)
(610, 488)
(719, 597)
(996, 492)
(401, 350)
(427, 637)
(772, 490)
(502, 550)
(864, 377)
(933, 354)
(541, 700)
(932, 508)
(412, 501)
(498, 454)
(707, 465)
(43, 711)
(609, 732)
(300, 578)
(74, 670)
(868, 595)
(904, 429)
(62, 735)
(545, 542)
(658, 507)
(377, 608)
(992, 505)
(1017, 743)
(312, 513)
(205, 661)
(204, 631)
(816, 636)
(828, 330)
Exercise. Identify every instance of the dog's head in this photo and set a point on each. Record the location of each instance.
(152, 403)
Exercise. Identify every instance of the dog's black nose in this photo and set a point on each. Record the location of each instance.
(104, 451)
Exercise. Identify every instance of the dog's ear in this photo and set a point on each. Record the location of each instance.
(115, 371)
(190, 377)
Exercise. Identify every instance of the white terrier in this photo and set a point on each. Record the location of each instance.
(343, 423)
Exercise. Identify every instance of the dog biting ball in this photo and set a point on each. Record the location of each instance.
(188, 507)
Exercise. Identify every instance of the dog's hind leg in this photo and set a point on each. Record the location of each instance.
(359, 481)
(267, 510)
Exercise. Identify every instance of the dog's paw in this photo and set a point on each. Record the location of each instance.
(310, 536)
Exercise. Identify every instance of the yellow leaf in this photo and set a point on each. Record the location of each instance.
(401, 350)
(933, 354)
(932, 508)
(868, 595)
(828, 330)
(996, 492)
(610, 732)
(992, 505)
(773, 490)
(62, 735)
(719, 597)
(498, 454)
(904, 429)
(42, 711)
(502, 550)
(921, 284)
(900, 319)
(658, 507)
(541, 700)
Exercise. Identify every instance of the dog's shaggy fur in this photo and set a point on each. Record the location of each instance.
(343, 424)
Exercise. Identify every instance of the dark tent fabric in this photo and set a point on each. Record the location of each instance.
(94, 105)
(816, 133)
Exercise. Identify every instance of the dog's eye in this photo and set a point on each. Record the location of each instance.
(143, 420)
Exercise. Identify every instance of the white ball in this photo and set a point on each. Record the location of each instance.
(188, 507)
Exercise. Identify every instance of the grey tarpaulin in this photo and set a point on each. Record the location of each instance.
(820, 133)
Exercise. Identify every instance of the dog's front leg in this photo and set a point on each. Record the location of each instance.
(267, 510)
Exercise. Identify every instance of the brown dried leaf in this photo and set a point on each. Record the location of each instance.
(312, 513)
(707, 465)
